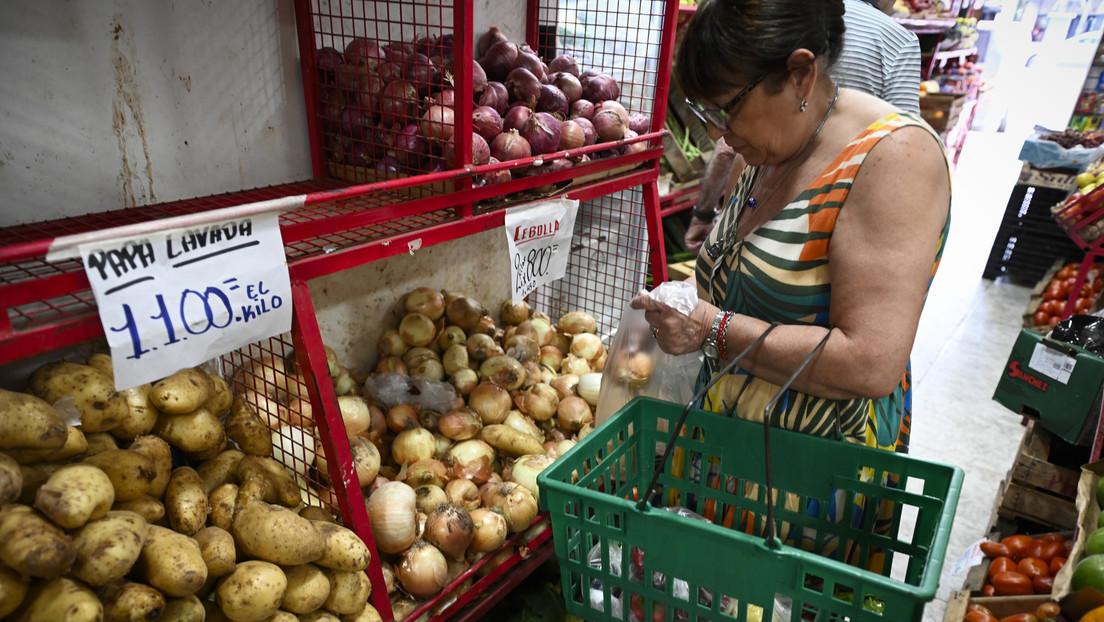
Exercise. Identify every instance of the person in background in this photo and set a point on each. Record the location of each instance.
(833, 232)
(879, 56)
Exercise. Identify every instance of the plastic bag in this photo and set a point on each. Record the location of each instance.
(636, 365)
(1042, 153)
(1085, 331)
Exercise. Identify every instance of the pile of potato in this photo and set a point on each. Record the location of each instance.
(160, 502)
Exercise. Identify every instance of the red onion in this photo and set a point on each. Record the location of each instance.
(486, 122)
(542, 130)
(569, 84)
(398, 102)
(437, 123)
(420, 71)
(364, 52)
(608, 126)
(589, 73)
(564, 63)
(489, 38)
(516, 117)
(558, 164)
(496, 177)
(510, 145)
(389, 70)
(445, 47)
(410, 148)
(572, 136)
(332, 103)
(446, 97)
(590, 136)
(354, 122)
(479, 78)
(552, 100)
(632, 147)
(499, 60)
(495, 96)
(531, 62)
(481, 152)
(388, 166)
(345, 76)
(367, 92)
(582, 108)
(639, 123)
(326, 61)
(522, 86)
(615, 107)
(600, 88)
(425, 44)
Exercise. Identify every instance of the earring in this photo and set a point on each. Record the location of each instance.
(804, 104)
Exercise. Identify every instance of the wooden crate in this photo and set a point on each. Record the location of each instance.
(1037, 489)
(1001, 606)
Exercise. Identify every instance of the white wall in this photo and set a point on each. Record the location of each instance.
(107, 104)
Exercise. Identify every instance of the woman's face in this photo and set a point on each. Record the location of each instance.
(753, 126)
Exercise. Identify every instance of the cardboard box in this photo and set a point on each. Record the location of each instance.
(1056, 383)
(1088, 513)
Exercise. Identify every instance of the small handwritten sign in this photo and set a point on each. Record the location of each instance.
(177, 298)
(539, 238)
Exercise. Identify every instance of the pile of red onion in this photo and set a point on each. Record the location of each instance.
(392, 107)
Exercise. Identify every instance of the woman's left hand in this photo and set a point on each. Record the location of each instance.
(674, 332)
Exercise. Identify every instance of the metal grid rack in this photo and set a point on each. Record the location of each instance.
(340, 221)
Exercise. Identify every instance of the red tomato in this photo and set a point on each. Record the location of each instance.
(977, 607)
(988, 590)
(994, 550)
(1056, 564)
(1097, 285)
(1042, 585)
(1052, 537)
(1041, 318)
(1013, 583)
(1020, 617)
(1033, 567)
(1054, 319)
(978, 616)
(1048, 612)
(1046, 550)
(1001, 564)
(1086, 290)
(1067, 271)
(1083, 305)
(1069, 283)
(1053, 292)
(1017, 545)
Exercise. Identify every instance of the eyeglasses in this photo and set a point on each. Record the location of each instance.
(718, 117)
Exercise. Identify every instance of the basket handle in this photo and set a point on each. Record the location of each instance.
(646, 498)
(770, 534)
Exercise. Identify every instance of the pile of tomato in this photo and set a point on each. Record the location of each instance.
(1058, 290)
(1022, 565)
(1046, 612)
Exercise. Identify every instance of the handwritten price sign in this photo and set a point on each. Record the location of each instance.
(539, 238)
(177, 298)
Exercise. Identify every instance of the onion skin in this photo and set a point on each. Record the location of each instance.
(479, 78)
(589, 135)
(450, 529)
(471, 459)
(496, 96)
(572, 136)
(516, 117)
(510, 145)
(615, 107)
(528, 60)
(423, 570)
(516, 502)
(486, 122)
(499, 59)
(599, 87)
(569, 85)
(608, 126)
(490, 530)
(552, 100)
(639, 123)
(522, 86)
(564, 63)
(398, 102)
(481, 152)
(392, 510)
(464, 493)
(542, 130)
(489, 38)
(438, 123)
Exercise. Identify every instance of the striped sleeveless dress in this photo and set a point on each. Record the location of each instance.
(779, 273)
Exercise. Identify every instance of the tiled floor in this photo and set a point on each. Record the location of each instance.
(965, 335)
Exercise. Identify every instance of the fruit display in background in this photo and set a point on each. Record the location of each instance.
(1083, 204)
(1058, 291)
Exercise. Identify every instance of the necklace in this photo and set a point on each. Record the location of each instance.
(721, 246)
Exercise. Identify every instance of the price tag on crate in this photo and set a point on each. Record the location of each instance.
(177, 298)
(539, 239)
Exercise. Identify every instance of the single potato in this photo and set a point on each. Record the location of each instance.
(75, 445)
(252, 592)
(276, 534)
(13, 589)
(221, 396)
(75, 494)
(186, 502)
(99, 442)
(348, 591)
(145, 506)
(368, 614)
(183, 392)
(279, 487)
(142, 416)
(246, 428)
(221, 469)
(307, 589)
(343, 550)
(102, 362)
(132, 602)
(59, 599)
(185, 609)
(319, 616)
(131, 473)
(107, 548)
(196, 432)
(160, 454)
(33, 545)
(11, 479)
(101, 407)
(508, 440)
(224, 504)
(172, 563)
(218, 550)
(29, 422)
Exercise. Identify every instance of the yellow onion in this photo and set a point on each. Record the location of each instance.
(560, 448)
(428, 368)
(391, 344)
(565, 385)
(584, 431)
(417, 329)
(522, 423)
(401, 417)
(460, 424)
(426, 301)
(471, 459)
(366, 460)
(572, 413)
(561, 341)
(504, 371)
(494, 560)
(538, 401)
(455, 358)
(464, 493)
(443, 445)
(491, 401)
(516, 502)
(450, 529)
(450, 336)
(525, 469)
(481, 347)
(377, 425)
(429, 471)
(523, 348)
(514, 313)
(575, 365)
(551, 357)
(389, 582)
(428, 497)
(599, 363)
(465, 380)
(422, 571)
(533, 374)
(402, 605)
(418, 354)
(345, 384)
(590, 385)
(298, 413)
(465, 312)
(575, 322)
(392, 512)
(392, 365)
(587, 346)
(487, 326)
(354, 413)
(413, 445)
(489, 530)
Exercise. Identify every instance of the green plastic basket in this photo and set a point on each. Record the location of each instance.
(726, 574)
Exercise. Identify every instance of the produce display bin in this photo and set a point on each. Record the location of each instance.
(600, 530)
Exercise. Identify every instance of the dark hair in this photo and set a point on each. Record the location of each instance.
(729, 42)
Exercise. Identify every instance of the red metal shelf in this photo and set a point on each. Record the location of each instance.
(679, 200)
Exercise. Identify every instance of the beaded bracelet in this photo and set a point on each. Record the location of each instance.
(722, 335)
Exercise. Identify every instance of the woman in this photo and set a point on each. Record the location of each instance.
(836, 224)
